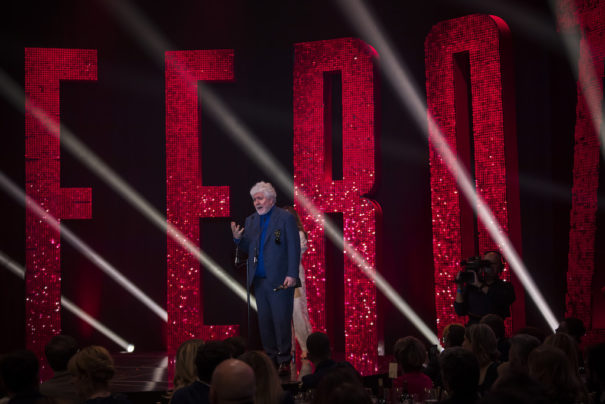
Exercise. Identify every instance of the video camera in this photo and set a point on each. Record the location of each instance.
(470, 265)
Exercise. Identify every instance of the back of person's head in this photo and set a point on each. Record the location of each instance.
(549, 365)
(93, 369)
(337, 377)
(516, 387)
(185, 371)
(453, 335)
(574, 327)
(268, 385)
(238, 345)
(483, 343)
(459, 371)
(521, 346)
(209, 356)
(19, 372)
(232, 382)
(348, 393)
(410, 354)
(539, 333)
(496, 323)
(59, 351)
(318, 347)
(567, 344)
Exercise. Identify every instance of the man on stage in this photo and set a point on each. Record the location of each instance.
(270, 236)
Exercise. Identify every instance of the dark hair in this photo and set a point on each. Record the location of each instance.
(410, 354)
(459, 371)
(237, 344)
(453, 335)
(19, 371)
(318, 345)
(549, 366)
(349, 393)
(521, 346)
(59, 351)
(516, 387)
(496, 323)
(342, 375)
(209, 356)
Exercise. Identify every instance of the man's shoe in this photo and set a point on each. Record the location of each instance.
(283, 369)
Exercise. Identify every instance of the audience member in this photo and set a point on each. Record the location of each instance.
(238, 345)
(496, 323)
(232, 383)
(328, 389)
(568, 345)
(453, 335)
(60, 387)
(19, 375)
(595, 368)
(550, 366)
(268, 385)
(411, 355)
(208, 357)
(516, 387)
(481, 341)
(185, 370)
(320, 355)
(460, 375)
(521, 346)
(92, 368)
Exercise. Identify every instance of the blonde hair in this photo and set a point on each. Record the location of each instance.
(185, 371)
(93, 369)
(568, 345)
(268, 386)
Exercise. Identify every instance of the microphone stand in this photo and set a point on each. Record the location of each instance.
(237, 262)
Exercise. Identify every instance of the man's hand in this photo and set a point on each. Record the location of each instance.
(289, 282)
(237, 230)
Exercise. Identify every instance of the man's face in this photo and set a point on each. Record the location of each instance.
(262, 204)
(491, 273)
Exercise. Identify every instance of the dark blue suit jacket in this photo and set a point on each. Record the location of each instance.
(281, 249)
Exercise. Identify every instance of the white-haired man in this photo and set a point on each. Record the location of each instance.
(270, 236)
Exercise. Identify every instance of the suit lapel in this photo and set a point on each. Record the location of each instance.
(271, 225)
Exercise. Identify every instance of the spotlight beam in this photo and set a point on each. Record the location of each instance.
(71, 307)
(156, 44)
(592, 93)
(399, 77)
(80, 245)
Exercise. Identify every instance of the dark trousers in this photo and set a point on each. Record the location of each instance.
(274, 319)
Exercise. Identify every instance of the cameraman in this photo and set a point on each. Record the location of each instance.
(487, 293)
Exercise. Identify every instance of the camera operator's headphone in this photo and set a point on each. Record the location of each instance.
(500, 262)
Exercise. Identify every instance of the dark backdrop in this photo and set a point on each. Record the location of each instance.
(121, 117)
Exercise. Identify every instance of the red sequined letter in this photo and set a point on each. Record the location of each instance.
(187, 198)
(474, 48)
(313, 178)
(44, 69)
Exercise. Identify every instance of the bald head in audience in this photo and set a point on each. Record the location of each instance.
(232, 382)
